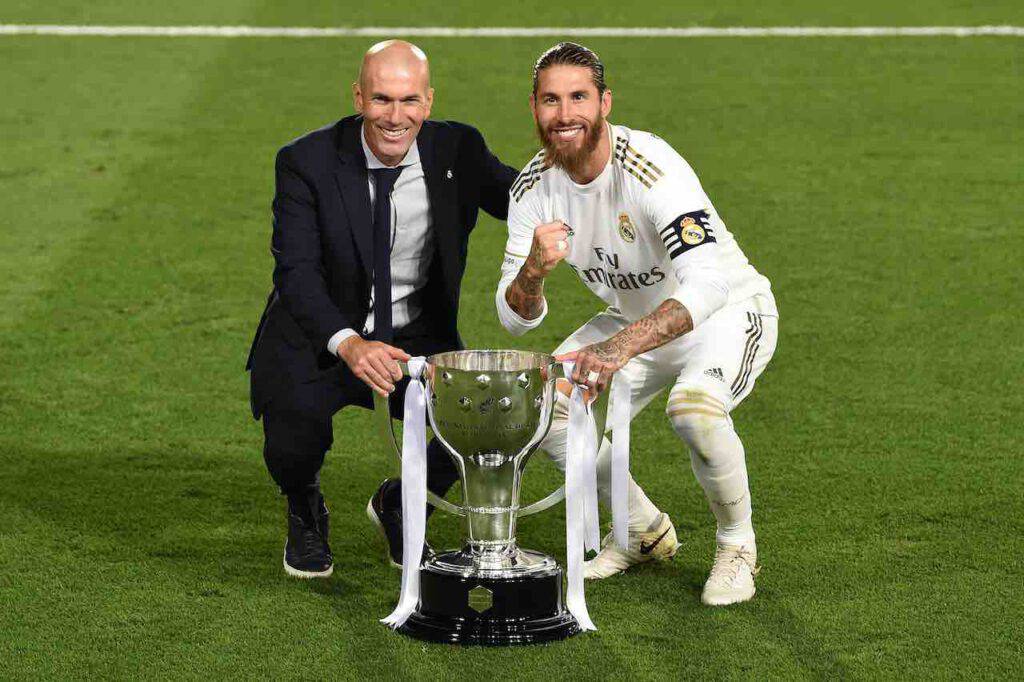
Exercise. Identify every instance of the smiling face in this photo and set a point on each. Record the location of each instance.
(394, 96)
(570, 112)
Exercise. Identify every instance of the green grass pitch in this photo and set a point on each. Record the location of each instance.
(876, 182)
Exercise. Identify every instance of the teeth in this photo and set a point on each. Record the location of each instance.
(393, 134)
(568, 132)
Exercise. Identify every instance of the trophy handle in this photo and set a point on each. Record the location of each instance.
(543, 503)
(382, 412)
(600, 408)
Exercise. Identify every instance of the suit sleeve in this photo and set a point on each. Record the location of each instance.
(495, 179)
(679, 209)
(299, 275)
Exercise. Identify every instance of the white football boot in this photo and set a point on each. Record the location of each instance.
(660, 544)
(732, 575)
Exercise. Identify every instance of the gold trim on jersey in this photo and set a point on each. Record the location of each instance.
(529, 177)
(636, 164)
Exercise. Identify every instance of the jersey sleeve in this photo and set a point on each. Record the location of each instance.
(678, 208)
(523, 217)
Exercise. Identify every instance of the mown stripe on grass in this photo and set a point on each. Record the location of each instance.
(513, 31)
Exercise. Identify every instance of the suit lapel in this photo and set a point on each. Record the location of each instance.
(355, 193)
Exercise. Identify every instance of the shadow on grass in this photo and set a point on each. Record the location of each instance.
(201, 517)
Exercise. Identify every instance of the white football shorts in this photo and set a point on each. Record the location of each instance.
(723, 357)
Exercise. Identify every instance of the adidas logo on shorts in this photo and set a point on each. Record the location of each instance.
(715, 373)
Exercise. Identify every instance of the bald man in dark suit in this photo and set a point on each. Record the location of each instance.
(372, 216)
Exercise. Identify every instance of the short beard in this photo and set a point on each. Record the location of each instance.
(572, 162)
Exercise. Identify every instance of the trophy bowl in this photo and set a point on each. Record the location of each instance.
(490, 409)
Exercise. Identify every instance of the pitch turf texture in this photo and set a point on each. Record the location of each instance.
(877, 182)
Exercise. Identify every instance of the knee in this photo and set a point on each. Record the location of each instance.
(560, 412)
(696, 417)
(289, 436)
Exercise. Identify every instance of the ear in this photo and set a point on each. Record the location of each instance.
(430, 102)
(533, 105)
(357, 98)
(606, 103)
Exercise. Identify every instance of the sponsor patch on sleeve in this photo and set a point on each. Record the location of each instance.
(686, 232)
(513, 259)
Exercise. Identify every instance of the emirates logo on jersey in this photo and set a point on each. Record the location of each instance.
(626, 228)
(612, 278)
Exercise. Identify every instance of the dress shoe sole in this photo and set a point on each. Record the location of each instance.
(375, 520)
(306, 575)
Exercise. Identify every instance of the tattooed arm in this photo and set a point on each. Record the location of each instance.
(525, 295)
(669, 321)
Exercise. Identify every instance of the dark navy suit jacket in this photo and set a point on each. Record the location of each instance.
(323, 251)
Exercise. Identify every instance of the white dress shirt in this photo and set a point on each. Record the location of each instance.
(412, 242)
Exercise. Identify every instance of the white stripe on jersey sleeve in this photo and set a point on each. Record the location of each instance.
(523, 218)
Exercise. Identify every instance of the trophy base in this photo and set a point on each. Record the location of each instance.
(490, 611)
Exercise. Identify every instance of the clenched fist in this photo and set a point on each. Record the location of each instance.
(550, 246)
(373, 362)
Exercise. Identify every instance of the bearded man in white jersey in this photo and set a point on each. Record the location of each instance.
(686, 310)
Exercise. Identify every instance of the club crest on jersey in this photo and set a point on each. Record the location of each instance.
(626, 228)
(688, 231)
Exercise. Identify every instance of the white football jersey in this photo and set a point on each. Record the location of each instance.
(642, 232)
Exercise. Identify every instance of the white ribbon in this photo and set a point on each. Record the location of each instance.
(580, 523)
(414, 494)
(592, 537)
(621, 409)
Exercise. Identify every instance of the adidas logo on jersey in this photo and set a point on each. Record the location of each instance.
(715, 373)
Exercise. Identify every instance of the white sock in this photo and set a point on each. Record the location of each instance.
(718, 461)
(642, 512)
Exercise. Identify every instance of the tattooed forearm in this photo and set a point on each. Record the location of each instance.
(610, 352)
(526, 295)
(669, 321)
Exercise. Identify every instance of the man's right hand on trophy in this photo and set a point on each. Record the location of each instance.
(373, 362)
(594, 365)
(550, 246)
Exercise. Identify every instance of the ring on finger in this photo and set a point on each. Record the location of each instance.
(592, 377)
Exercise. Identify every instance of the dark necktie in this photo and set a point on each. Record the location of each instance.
(383, 182)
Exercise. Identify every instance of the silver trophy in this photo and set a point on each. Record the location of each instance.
(490, 410)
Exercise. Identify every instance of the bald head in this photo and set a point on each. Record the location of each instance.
(391, 58)
(394, 96)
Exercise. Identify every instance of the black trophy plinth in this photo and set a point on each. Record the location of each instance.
(455, 609)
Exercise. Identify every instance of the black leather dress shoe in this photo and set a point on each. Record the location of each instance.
(306, 553)
(388, 520)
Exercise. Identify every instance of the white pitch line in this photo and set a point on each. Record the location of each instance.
(511, 32)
